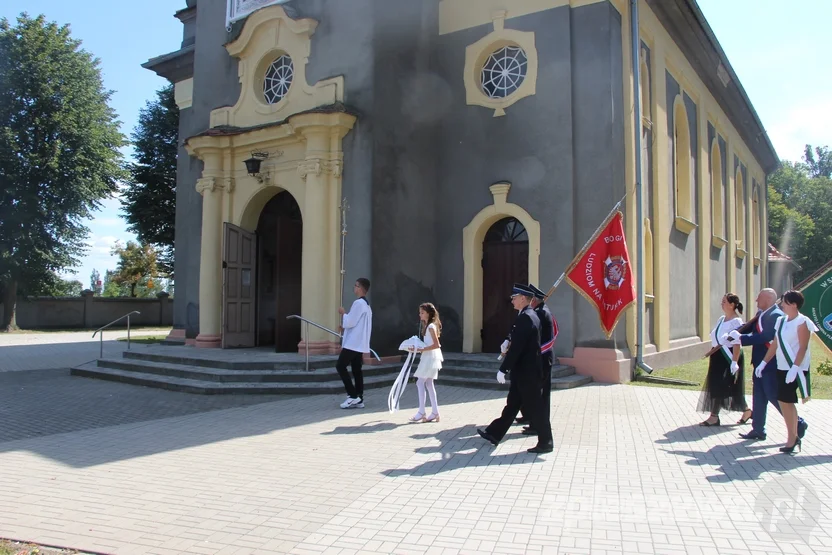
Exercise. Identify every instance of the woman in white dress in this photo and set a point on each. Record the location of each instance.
(430, 362)
(725, 383)
(792, 333)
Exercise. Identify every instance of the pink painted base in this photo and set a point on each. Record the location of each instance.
(319, 348)
(603, 365)
(176, 335)
(190, 341)
(206, 341)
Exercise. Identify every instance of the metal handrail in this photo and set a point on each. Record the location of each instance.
(320, 327)
(102, 328)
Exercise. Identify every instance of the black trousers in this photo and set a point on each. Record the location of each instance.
(546, 394)
(354, 359)
(523, 392)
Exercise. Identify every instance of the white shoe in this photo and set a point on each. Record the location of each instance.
(352, 403)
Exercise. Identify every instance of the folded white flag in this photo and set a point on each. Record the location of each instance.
(409, 345)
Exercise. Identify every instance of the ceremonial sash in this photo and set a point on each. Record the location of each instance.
(546, 347)
(760, 327)
(724, 349)
(803, 383)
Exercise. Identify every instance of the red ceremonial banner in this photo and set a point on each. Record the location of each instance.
(603, 274)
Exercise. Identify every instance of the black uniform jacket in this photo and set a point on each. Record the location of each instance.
(547, 333)
(523, 357)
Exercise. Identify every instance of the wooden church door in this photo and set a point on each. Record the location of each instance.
(505, 261)
(239, 291)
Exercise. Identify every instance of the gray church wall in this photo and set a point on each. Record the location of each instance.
(683, 247)
(409, 100)
(560, 158)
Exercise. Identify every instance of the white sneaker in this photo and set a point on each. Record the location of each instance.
(352, 403)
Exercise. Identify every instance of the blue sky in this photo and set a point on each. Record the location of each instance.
(776, 48)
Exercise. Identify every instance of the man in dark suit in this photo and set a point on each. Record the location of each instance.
(759, 332)
(547, 353)
(522, 364)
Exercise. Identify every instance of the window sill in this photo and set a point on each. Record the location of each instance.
(684, 225)
(648, 298)
(718, 241)
(741, 253)
(757, 261)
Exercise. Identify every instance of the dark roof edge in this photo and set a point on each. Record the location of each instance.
(229, 131)
(709, 33)
(174, 66)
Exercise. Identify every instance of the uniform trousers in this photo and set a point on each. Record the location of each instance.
(524, 391)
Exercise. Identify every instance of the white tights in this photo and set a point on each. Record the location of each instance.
(420, 384)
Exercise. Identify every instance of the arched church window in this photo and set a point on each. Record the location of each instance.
(278, 79)
(717, 191)
(507, 230)
(504, 72)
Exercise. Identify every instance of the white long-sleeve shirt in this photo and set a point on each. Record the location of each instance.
(358, 324)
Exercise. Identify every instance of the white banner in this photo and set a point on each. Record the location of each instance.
(238, 9)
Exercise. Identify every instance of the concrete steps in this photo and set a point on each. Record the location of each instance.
(251, 371)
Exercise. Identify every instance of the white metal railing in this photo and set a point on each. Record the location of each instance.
(320, 327)
(102, 328)
(238, 9)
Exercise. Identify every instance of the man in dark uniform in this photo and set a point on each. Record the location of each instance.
(759, 332)
(522, 364)
(547, 353)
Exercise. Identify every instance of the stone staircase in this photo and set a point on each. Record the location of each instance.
(252, 371)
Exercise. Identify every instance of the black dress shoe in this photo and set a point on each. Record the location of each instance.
(528, 431)
(801, 430)
(486, 436)
(753, 435)
(521, 420)
(548, 448)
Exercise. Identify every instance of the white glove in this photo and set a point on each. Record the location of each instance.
(504, 347)
(734, 337)
(501, 377)
(734, 368)
(792, 373)
(759, 371)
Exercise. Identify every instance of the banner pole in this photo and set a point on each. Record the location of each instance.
(586, 245)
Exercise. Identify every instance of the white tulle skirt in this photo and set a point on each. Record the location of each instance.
(429, 364)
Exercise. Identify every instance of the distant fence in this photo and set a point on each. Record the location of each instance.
(87, 311)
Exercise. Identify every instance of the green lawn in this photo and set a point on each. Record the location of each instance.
(695, 372)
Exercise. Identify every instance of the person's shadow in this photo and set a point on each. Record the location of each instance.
(366, 428)
(460, 447)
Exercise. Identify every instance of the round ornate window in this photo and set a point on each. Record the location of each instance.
(504, 72)
(278, 79)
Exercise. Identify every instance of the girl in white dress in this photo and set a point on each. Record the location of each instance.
(430, 362)
(792, 333)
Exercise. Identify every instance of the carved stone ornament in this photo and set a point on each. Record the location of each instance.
(310, 166)
(205, 184)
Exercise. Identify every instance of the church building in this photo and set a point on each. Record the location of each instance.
(454, 147)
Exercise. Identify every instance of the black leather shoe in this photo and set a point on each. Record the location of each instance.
(548, 448)
(527, 431)
(521, 420)
(486, 436)
(801, 430)
(753, 435)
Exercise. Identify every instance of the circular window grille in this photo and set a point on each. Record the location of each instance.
(504, 71)
(278, 79)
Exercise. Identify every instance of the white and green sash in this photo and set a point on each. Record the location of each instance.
(724, 348)
(804, 384)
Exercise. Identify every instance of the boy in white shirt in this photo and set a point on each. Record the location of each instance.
(357, 325)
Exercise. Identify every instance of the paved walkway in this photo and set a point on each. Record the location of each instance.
(41, 351)
(114, 468)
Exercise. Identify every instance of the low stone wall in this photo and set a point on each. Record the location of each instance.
(87, 311)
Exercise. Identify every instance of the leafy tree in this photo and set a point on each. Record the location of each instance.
(149, 199)
(819, 161)
(95, 277)
(68, 288)
(112, 289)
(59, 142)
(137, 268)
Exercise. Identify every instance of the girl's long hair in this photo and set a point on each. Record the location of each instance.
(433, 318)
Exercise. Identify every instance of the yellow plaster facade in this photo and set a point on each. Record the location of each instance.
(305, 159)
(667, 57)
(472, 237)
(456, 15)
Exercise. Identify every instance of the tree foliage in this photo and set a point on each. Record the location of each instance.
(59, 142)
(149, 199)
(137, 269)
(800, 209)
(95, 287)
